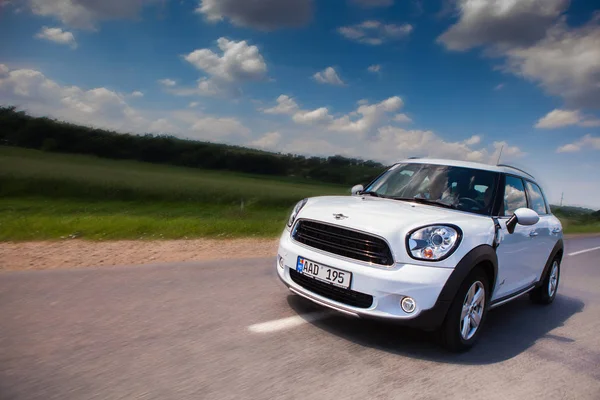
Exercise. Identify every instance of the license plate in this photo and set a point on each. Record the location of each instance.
(324, 273)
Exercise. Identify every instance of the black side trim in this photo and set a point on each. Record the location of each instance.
(512, 295)
(433, 318)
(558, 248)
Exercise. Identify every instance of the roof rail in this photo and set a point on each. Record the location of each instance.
(518, 169)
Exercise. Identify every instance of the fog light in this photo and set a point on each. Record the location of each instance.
(279, 261)
(408, 304)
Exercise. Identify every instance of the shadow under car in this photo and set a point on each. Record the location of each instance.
(508, 331)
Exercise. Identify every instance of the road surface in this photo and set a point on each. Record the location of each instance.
(230, 330)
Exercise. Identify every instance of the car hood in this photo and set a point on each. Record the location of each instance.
(389, 219)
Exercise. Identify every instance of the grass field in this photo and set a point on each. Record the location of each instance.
(53, 196)
(571, 225)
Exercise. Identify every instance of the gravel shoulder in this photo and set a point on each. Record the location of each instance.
(77, 253)
(81, 253)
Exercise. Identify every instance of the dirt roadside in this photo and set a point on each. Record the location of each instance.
(82, 253)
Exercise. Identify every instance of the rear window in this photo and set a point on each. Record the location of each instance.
(536, 198)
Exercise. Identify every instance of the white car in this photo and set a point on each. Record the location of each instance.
(429, 243)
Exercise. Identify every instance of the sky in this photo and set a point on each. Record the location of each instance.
(375, 79)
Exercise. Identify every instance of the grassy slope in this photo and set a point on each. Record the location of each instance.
(47, 196)
(51, 196)
(577, 219)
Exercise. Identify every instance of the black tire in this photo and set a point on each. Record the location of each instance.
(450, 331)
(543, 294)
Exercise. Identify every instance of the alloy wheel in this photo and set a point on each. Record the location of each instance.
(553, 281)
(472, 310)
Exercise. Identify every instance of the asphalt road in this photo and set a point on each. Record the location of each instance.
(230, 330)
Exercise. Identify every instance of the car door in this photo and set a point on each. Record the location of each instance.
(515, 252)
(545, 234)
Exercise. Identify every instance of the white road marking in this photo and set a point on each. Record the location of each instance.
(287, 323)
(584, 251)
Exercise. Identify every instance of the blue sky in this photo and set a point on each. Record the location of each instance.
(377, 79)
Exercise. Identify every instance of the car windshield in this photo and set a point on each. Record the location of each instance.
(460, 188)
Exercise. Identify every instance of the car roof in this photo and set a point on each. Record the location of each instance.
(505, 169)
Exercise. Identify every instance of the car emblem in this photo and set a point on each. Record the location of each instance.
(340, 216)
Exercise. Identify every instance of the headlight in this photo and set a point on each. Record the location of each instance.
(294, 214)
(433, 243)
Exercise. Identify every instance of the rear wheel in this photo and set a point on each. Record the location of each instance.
(467, 313)
(546, 292)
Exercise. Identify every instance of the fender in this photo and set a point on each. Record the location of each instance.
(558, 249)
(433, 318)
(480, 254)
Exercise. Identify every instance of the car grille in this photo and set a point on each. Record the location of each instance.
(344, 242)
(341, 295)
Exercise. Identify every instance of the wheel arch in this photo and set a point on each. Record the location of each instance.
(556, 253)
(483, 256)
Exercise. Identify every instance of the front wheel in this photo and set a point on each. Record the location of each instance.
(467, 312)
(546, 292)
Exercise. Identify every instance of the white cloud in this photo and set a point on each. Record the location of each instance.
(238, 63)
(137, 93)
(366, 133)
(501, 22)
(94, 107)
(101, 107)
(328, 76)
(285, 105)
(57, 35)
(568, 148)
(162, 125)
(473, 140)
(565, 63)
(167, 82)
(374, 68)
(537, 44)
(374, 32)
(265, 15)
(193, 104)
(370, 116)
(362, 121)
(269, 141)
(86, 13)
(394, 143)
(373, 3)
(499, 86)
(318, 116)
(402, 118)
(560, 118)
(585, 142)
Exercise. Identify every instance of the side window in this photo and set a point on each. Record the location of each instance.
(536, 198)
(514, 195)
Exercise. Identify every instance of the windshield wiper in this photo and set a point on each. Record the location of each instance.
(433, 202)
(370, 193)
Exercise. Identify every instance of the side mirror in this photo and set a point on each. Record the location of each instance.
(522, 216)
(356, 189)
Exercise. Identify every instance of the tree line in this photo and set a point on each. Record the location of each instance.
(18, 128)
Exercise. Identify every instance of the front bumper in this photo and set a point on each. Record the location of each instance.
(387, 285)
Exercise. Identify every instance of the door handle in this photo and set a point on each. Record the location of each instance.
(533, 234)
(556, 230)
